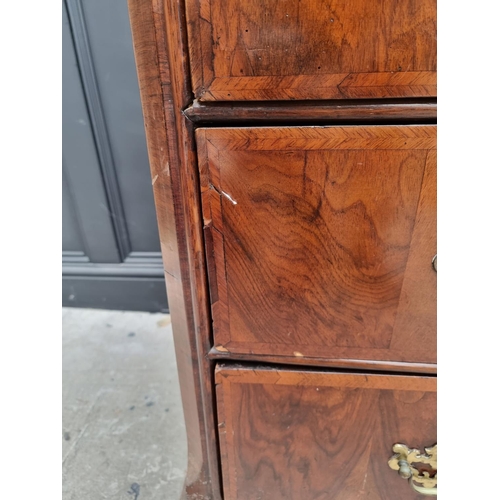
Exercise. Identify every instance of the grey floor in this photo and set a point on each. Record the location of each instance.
(123, 430)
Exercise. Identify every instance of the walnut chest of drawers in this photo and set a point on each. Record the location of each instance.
(292, 146)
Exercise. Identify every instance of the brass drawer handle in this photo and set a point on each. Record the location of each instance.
(435, 263)
(405, 460)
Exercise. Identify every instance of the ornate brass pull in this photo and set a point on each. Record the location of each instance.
(404, 462)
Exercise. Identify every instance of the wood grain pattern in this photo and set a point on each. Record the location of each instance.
(417, 310)
(319, 435)
(315, 228)
(316, 112)
(315, 241)
(161, 66)
(322, 49)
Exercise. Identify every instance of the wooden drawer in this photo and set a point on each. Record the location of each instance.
(319, 49)
(304, 435)
(320, 241)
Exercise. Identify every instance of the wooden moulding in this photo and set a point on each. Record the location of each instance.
(354, 364)
(162, 66)
(386, 110)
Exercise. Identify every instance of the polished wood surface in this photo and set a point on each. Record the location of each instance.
(417, 309)
(306, 245)
(304, 435)
(315, 112)
(161, 66)
(321, 49)
(321, 240)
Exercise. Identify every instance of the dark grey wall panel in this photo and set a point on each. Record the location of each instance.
(123, 293)
(81, 164)
(111, 255)
(110, 41)
(71, 238)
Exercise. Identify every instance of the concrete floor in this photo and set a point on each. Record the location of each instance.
(123, 428)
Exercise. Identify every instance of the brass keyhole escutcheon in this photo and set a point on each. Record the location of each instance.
(435, 263)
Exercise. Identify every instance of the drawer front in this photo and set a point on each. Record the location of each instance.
(298, 435)
(320, 240)
(319, 49)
